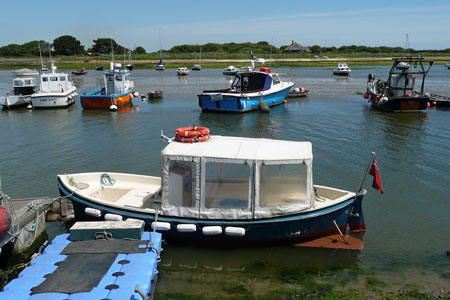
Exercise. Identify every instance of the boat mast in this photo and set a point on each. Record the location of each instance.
(40, 54)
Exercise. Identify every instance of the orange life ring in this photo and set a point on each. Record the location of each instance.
(196, 139)
(192, 131)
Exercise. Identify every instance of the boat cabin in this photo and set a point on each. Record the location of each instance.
(236, 178)
(403, 74)
(24, 86)
(255, 81)
(117, 82)
(55, 82)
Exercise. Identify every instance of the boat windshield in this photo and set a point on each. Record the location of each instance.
(236, 82)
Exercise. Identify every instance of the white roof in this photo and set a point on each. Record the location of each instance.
(242, 148)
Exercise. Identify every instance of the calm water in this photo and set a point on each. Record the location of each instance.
(408, 228)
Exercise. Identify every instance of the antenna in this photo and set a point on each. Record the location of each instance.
(112, 50)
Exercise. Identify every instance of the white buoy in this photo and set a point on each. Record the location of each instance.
(135, 94)
(186, 228)
(235, 231)
(113, 108)
(113, 217)
(212, 230)
(92, 212)
(161, 226)
(29, 106)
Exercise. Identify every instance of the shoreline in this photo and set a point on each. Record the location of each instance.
(17, 63)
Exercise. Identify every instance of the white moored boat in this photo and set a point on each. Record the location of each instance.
(21, 95)
(342, 70)
(230, 70)
(56, 90)
(182, 71)
(233, 189)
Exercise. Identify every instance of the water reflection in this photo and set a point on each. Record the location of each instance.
(201, 271)
(342, 80)
(183, 79)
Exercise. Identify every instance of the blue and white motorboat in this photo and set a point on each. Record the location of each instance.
(249, 90)
(226, 189)
(97, 260)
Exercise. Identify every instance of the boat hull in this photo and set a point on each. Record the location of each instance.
(401, 104)
(53, 100)
(240, 102)
(11, 101)
(341, 73)
(290, 228)
(97, 100)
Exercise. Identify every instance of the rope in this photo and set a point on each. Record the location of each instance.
(318, 197)
(106, 180)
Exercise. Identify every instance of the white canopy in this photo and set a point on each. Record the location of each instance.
(242, 148)
(259, 180)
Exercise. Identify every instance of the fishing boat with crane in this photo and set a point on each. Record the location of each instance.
(399, 93)
(251, 89)
(223, 189)
(117, 90)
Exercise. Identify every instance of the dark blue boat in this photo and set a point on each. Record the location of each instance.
(228, 189)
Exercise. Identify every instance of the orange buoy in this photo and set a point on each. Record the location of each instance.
(192, 134)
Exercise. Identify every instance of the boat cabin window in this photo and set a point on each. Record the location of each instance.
(28, 82)
(62, 78)
(245, 83)
(236, 82)
(18, 83)
(44, 79)
(53, 78)
(110, 77)
(127, 77)
(226, 185)
(253, 82)
(282, 184)
(276, 80)
(119, 77)
(182, 183)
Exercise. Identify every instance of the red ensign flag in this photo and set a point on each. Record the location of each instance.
(376, 184)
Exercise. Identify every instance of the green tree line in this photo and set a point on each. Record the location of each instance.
(68, 45)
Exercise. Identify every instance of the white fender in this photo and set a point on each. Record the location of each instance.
(92, 212)
(113, 217)
(235, 231)
(161, 226)
(113, 108)
(186, 228)
(212, 230)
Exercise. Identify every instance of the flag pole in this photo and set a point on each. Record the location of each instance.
(365, 173)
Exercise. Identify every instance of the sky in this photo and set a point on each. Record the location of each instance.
(155, 24)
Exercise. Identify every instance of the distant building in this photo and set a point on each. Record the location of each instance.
(296, 48)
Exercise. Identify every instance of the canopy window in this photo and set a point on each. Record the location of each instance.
(282, 184)
(226, 185)
(181, 176)
(182, 183)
